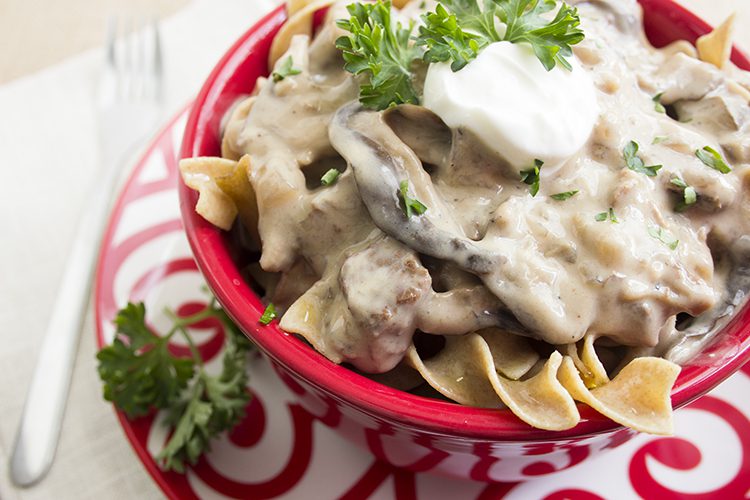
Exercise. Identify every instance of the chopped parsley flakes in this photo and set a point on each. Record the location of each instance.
(712, 158)
(411, 205)
(285, 70)
(268, 315)
(565, 195)
(330, 177)
(609, 214)
(658, 106)
(664, 236)
(689, 196)
(531, 177)
(635, 163)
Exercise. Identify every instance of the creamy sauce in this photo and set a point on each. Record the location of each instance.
(357, 285)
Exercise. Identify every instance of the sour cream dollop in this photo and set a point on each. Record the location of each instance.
(514, 105)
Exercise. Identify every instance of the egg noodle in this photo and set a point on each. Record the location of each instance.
(430, 260)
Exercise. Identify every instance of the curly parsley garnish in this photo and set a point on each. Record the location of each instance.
(530, 177)
(457, 33)
(459, 29)
(712, 158)
(382, 52)
(635, 163)
(411, 205)
(385, 53)
(286, 69)
(140, 374)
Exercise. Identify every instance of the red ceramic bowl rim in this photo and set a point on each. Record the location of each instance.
(211, 252)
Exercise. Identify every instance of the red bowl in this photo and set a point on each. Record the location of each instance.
(404, 429)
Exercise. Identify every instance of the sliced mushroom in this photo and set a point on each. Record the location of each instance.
(422, 130)
(380, 161)
(685, 78)
(721, 111)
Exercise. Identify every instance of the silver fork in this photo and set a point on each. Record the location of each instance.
(129, 104)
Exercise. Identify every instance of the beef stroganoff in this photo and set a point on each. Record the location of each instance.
(525, 213)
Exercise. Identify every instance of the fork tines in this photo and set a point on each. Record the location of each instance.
(133, 56)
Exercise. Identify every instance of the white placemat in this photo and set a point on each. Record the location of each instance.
(48, 164)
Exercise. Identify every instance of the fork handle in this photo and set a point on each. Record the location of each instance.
(39, 430)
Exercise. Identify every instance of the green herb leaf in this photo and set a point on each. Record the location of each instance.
(459, 29)
(658, 106)
(635, 163)
(269, 314)
(381, 51)
(676, 181)
(214, 404)
(285, 70)
(659, 139)
(531, 177)
(139, 374)
(330, 177)
(551, 40)
(664, 236)
(612, 216)
(689, 196)
(564, 196)
(137, 369)
(457, 33)
(609, 214)
(712, 158)
(411, 205)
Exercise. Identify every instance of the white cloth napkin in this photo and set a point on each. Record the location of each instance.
(48, 163)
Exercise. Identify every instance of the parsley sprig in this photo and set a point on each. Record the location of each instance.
(386, 54)
(459, 29)
(137, 369)
(551, 40)
(140, 374)
(382, 52)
